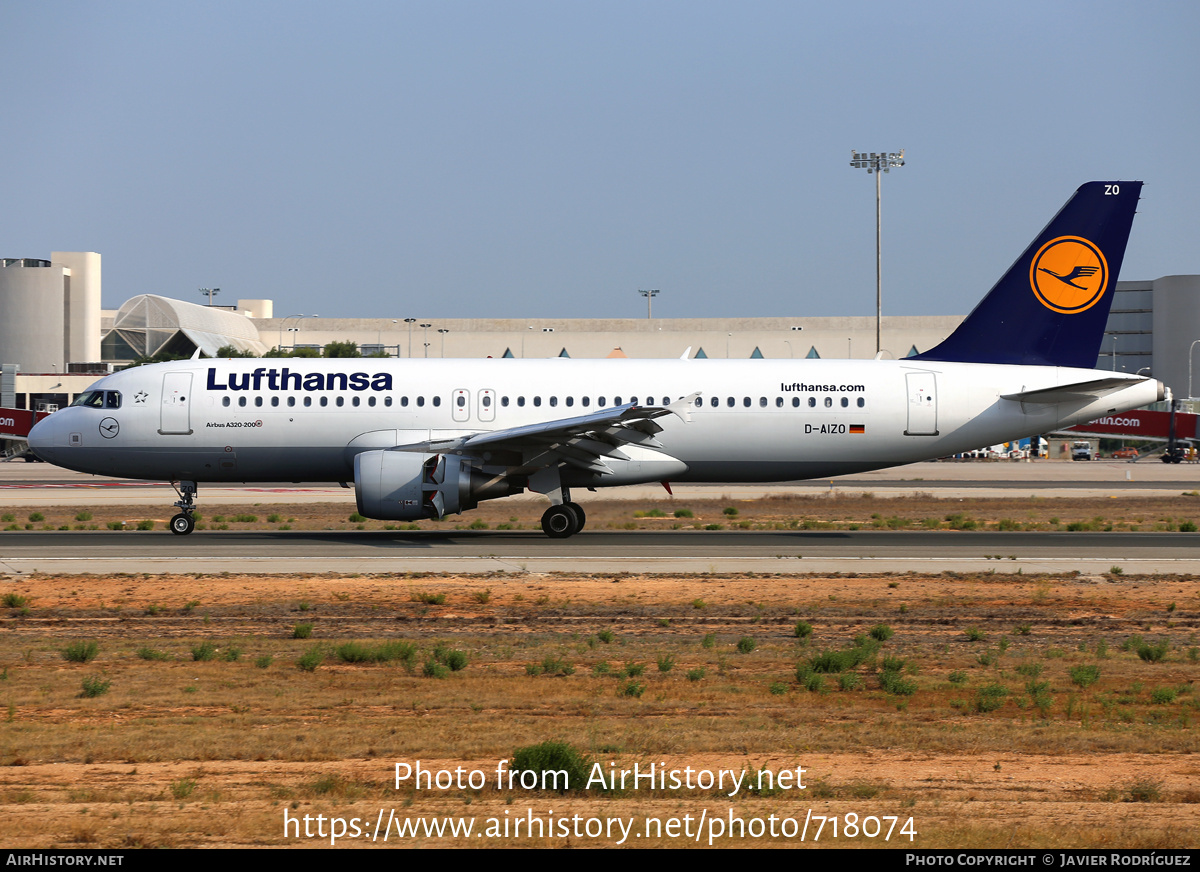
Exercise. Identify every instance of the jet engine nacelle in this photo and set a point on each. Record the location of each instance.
(404, 486)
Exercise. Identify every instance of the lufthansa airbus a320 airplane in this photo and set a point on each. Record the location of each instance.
(423, 438)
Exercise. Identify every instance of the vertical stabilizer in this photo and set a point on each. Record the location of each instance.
(1051, 307)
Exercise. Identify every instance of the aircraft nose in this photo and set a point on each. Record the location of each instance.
(48, 437)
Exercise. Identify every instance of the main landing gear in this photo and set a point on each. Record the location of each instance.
(563, 520)
(184, 523)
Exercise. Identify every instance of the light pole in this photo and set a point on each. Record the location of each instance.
(425, 337)
(210, 293)
(296, 329)
(1114, 352)
(443, 331)
(1190, 347)
(788, 343)
(649, 295)
(878, 163)
(281, 326)
(379, 338)
(410, 322)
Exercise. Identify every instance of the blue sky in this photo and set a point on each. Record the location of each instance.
(538, 159)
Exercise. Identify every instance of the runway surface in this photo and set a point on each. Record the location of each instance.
(23, 484)
(659, 552)
(40, 484)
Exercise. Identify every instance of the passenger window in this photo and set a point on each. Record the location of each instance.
(812, 401)
(716, 401)
(600, 402)
(354, 401)
(324, 401)
(861, 402)
(554, 401)
(404, 401)
(795, 402)
(829, 402)
(437, 401)
(520, 401)
(370, 401)
(504, 402)
(241, 401)
(224, 401)
(387, 401)
(699, 402)
(487, 401)
(307, 402)
(762, 401)
(258, 401)
(460, 401)
(274, 401)
(845, 402)
(779, 402)
(616, 401)
(291, 402)
(729, 401)
(570, 401)
(586, 402)
(420, 401)
(341, 401)
(537, 401)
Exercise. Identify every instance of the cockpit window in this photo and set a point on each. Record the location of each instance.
(99, 399)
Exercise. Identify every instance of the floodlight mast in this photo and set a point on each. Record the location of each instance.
(877, 163)
(649, 295)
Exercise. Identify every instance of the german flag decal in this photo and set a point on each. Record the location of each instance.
(858, 428)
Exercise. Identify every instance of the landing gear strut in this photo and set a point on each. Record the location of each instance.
(184, 523)
(563, 520)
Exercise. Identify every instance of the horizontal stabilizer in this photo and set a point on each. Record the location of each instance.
(1086, 390)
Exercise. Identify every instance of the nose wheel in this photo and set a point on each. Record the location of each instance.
(564, 520)
(184, 522)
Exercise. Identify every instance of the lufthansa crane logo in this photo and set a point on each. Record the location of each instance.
(1069, 274)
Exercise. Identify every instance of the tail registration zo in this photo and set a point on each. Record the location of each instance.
(424, 438)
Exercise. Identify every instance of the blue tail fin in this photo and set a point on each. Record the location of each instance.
(1051, 306)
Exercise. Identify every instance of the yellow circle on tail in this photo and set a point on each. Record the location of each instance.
(1069, 274)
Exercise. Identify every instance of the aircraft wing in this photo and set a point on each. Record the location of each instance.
(583, 441)
(1087, 390)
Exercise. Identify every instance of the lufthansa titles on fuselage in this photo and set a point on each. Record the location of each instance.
(286, 380)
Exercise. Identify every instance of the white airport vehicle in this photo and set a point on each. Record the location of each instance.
(423, 438)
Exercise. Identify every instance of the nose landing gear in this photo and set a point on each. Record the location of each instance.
(184, 522)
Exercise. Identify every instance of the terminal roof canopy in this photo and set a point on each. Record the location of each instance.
(147, 325)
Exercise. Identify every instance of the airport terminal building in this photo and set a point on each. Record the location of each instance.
(55, 340)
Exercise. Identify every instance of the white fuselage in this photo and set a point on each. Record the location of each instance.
(753, 420)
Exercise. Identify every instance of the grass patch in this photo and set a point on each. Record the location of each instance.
(560, 767)
(81, 652)
(94, 685)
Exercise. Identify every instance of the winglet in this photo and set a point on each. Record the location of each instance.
(1051, 307)
(682, 407)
